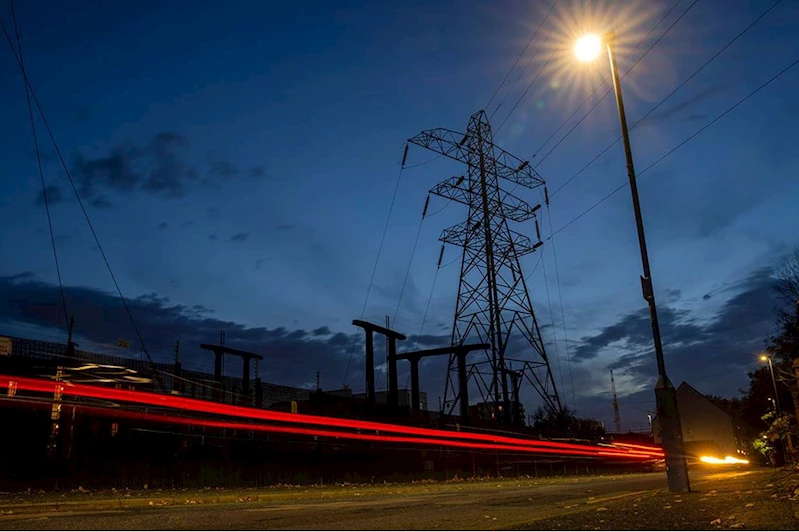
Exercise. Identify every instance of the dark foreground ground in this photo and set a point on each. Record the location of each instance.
(760, 499)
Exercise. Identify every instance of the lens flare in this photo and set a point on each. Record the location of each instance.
(726, 460)
(588, 47)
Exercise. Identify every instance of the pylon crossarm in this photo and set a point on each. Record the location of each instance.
(455, 145)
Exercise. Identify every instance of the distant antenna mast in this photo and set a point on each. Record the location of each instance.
(616, 416)
(388, 326)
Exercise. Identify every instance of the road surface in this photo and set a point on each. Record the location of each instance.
(739, 499)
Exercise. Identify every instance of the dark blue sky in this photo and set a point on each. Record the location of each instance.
(238, 159)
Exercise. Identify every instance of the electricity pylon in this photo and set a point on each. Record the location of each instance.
(493, 303)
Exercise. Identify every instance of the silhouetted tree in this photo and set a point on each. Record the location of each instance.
(785, 345)
(565, 424)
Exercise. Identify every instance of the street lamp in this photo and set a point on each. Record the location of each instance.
(588, 48)
(765, 358)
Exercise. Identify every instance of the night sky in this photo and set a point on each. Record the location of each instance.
(238, 160)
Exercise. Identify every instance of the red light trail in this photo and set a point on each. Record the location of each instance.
(430, 436)
(331, 433)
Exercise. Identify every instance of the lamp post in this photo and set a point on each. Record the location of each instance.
(766, 358)
(588, 48)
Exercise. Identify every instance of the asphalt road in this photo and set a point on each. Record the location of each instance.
(748, 499)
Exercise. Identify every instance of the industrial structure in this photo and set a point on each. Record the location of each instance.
(93, 419)
(707, 430)
(493, 303)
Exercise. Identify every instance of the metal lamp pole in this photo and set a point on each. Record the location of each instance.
(773, 383)
(665, 394)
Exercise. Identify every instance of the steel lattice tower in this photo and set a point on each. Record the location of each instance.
(493, 303)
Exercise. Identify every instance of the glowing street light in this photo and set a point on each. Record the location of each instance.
(587, 49)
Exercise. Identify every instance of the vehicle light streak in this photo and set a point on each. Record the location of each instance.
(726, 460)
(160, 418)
(196, 405)
(641, 447)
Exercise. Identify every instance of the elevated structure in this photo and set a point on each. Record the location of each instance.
(493, 304)
(459, 352)
(221, 350)
(616, 415)
(391, 337)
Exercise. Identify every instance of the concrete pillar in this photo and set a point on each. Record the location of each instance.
(415, 393)
(463, 387)
(370, 368)
(393, 393)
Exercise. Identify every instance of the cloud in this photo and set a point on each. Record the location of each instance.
(715, 351)
(257, 171)
(213, 213)
(162, 226)
(101, 202)
(187, 223)
(292, 356)
(212, 237)
(239, 237)
(687, 104)
(259, 263)
(285, 227)
(54, 195)
(159, 168)
(223, 169)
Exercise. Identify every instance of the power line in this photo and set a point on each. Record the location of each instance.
(405, 279)
(562, 312)
(417, 165)
(426, 310)
(377, 259)
(530, 85)
(678, 146)
(75, 190)
(537, 264)
(529, 62)
(410, 261)
(552, 319)
(521, 54)
(39, 165)
(669, 95)
(662, 35)
(588, 98)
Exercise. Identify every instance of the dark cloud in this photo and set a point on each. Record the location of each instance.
(321, 331)
(680, 107)
(212, 237)
(158, 168)
(223, 170)
(187, 223)
(213, 213)
(257, 171)
(292, 356)
(259, 263)
(239, 237)
(716, 352)
(162, 226)
(101, 202)
(54, 195)
(285, 227)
